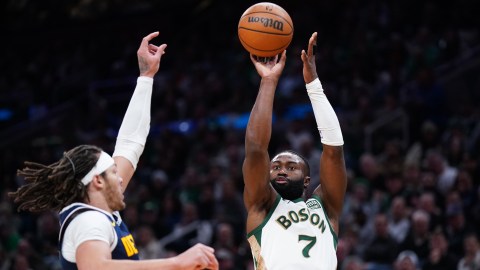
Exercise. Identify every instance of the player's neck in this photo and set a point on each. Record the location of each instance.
(97, 199)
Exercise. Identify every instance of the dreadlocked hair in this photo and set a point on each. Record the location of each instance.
(56, 185)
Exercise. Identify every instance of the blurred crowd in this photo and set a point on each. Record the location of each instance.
(413, 196)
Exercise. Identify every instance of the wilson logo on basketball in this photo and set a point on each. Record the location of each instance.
(267, 22)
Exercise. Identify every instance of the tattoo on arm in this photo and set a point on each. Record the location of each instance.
(143, 65)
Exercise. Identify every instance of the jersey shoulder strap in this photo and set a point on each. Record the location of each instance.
(67, 221)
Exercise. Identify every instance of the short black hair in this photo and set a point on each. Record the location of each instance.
(307, 166)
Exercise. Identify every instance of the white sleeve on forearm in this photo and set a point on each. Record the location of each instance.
(327, 121)
(136, 123)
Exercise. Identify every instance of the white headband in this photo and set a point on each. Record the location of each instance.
(103, 163)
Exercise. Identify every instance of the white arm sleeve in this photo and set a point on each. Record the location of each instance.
(90, 225)
(136, 123)
(327, 121)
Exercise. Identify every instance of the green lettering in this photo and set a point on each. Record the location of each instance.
(322, 226)
(293, 216)
(282, 220)
(303, 215)
(314, 219)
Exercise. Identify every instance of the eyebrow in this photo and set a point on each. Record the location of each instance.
(289, 162)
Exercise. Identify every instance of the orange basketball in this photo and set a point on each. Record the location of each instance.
(265, 29)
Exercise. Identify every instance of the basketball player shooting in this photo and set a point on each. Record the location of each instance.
(286, 230)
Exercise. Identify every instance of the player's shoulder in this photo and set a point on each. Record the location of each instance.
(93, 214)
(314, 202)
(91, 220)
(82, 212)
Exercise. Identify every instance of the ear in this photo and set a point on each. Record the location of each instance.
(98, 182)
(306, 181)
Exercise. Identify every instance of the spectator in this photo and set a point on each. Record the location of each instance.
(465, 187)
(471, 259)
(226, 260)
(391, 158)
(398, 221)
(440, 258)
(148, 246)
(456, 227)
(383, 250)
(190, 230)
(353, 245)
(444, 173)
(352, 263)
(370, 170)
(418, 236)
(395, 184)
(428, 141)
(229, 206)
(428, 204)
(407, 260)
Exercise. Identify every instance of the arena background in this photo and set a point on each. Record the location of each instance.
(401, 75)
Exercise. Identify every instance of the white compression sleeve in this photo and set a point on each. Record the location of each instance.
(136, 123)
(327, 121)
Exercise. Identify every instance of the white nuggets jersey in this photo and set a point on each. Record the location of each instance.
(294, 235)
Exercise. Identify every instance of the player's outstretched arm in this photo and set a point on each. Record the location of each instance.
(333, 176)
(136, 122)
(95, 254)
(258, 193)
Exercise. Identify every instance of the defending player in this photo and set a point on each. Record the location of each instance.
(87, 184)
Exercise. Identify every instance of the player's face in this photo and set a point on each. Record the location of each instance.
(113, 190)
(286, 176)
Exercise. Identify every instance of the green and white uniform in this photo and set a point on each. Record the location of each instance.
(294, 235)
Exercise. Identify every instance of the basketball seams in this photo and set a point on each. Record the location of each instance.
(263, 32)
(272, 50)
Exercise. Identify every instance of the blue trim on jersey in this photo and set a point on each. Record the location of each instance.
(125, 248)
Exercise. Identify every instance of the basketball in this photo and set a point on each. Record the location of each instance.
(265, 29)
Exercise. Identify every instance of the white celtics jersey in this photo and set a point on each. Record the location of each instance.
(294, 235)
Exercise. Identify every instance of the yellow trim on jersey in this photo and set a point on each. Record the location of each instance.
(259, 262)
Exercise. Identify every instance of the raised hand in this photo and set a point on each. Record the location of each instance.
(308, 59)
(149, 56)
(271, 68)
